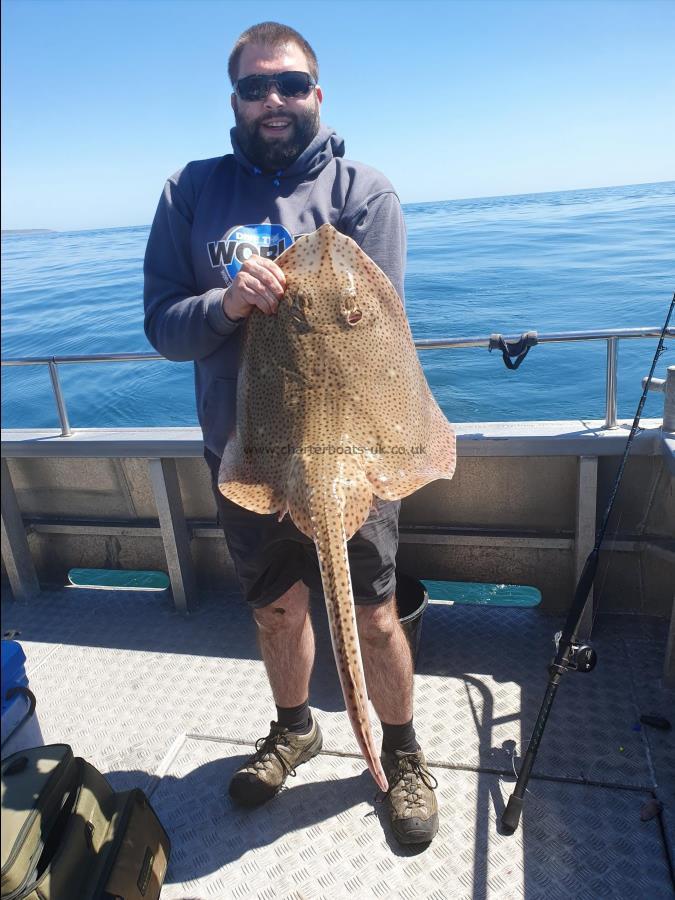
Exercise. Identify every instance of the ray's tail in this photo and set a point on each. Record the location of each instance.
(331, 548)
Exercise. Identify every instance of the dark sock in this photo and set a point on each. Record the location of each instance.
(297, 719)
(399, 737)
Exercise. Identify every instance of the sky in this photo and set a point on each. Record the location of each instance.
(104, 99)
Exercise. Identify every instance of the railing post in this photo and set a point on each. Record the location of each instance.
(60, 402)
(669, 404)
(175, 536)
(584, 532)
(15, 550)
(610, 399)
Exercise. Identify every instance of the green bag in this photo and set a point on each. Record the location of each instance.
(67, 834)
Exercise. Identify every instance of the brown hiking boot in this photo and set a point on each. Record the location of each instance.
(413, 809)
(276, 757)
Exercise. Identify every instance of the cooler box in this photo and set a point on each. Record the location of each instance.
(20, 728)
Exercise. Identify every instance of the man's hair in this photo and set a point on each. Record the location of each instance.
(271, 35)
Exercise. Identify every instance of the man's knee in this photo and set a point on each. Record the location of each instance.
(378, 624)
(288, 613)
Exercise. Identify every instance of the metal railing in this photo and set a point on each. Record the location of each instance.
(558, 337)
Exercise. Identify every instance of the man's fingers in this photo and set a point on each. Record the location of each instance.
(267, 272)
(260, 283)
(255, 293)
(262, 292)
(264, 302)
(265, 305)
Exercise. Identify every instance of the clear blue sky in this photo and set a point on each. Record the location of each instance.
(103, 99)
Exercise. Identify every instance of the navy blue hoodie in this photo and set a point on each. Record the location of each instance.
(213, 214)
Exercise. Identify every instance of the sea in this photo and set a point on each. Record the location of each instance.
(549, 262)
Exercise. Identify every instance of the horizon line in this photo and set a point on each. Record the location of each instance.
(44, 230)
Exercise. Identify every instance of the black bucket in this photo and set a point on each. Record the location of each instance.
(411, 599)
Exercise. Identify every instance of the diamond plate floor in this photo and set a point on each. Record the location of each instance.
(326, 837)
(171, 704)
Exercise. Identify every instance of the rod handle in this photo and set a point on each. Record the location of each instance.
(511, 815)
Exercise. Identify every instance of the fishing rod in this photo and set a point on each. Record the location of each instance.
(570, 654)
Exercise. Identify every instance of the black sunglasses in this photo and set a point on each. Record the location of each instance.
(289, 84)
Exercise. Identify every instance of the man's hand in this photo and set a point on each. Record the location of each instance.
(261, 283)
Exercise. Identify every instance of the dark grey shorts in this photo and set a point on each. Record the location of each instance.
(270, 556)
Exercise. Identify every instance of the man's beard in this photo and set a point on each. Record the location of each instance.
(270, 154)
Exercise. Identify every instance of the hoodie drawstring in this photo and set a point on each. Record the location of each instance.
(277, 175)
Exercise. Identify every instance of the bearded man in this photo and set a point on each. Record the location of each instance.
(220, 225)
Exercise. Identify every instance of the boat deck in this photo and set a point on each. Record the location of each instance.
(173, 704)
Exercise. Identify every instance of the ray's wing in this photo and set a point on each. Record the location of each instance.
(407, 440)
(254, 468)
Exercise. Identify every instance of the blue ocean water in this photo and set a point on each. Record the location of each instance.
(601, 258)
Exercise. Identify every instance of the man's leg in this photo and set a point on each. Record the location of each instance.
(267, 557)
(287, 645)
(387, 662)
(388, 666)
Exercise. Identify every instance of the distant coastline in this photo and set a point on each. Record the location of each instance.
(9, 231)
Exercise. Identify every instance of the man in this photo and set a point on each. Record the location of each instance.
(209, 263)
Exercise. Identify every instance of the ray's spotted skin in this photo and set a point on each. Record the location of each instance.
(333, 410)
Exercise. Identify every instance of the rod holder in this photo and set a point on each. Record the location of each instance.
(665, 386)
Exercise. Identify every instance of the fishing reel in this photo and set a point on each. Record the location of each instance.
(582, 657)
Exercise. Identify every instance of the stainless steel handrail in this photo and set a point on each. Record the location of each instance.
(555, 337)
(88, 358)
(611, 337)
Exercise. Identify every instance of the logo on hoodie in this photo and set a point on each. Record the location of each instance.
(242, 242)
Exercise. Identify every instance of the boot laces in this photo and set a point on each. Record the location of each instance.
(409, 772)
(268, 747)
